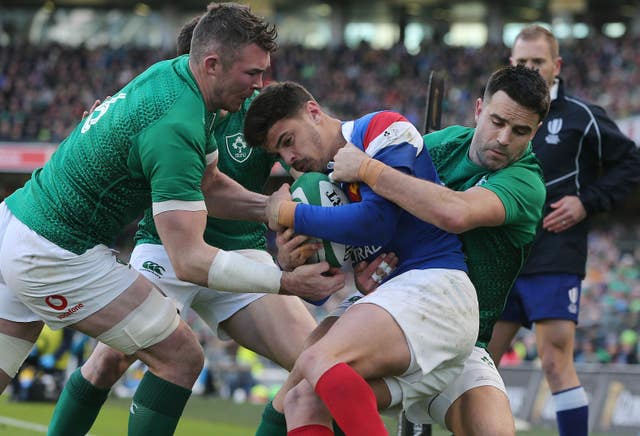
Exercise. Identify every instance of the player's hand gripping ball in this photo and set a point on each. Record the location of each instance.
(317, 189)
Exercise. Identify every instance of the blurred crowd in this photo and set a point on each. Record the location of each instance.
(45, 89)
(609, 320)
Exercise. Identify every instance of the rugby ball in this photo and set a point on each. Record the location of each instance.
(317, 189)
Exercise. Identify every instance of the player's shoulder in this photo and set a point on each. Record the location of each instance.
(167, 90)
(448, 135)
(379, 130)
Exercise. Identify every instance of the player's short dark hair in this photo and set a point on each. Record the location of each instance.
(183, 41)
(523, 85)
(277, 101)
(227, 28)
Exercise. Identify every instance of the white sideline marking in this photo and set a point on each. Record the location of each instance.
(23, 424)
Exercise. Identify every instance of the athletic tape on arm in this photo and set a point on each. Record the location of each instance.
(233, 272)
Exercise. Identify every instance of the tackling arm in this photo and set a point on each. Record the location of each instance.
(225, 198)
(197, 262)
(449, 210)
(181, 233)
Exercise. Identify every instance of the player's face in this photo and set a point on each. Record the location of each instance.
(503, 131)
(536, 54)
(300, 142)
(239, 80)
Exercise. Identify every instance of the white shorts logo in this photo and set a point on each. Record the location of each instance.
(573, 298)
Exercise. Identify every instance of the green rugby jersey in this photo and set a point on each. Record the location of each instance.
(150, 142)
(249, 166)
(495, 255)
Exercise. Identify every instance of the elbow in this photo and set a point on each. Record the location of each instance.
(455, 224)
(183, 268)
(182, 272)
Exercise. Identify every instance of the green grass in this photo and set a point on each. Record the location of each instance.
(202, 416)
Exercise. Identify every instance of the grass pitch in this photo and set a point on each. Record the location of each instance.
(202, 416)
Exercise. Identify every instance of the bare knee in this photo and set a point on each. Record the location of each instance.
(481, 411)
(105, 366)
(178, 358)
(556, 361)
(312, 363)
(302, 407)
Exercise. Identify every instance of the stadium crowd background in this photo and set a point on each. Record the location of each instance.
(45, 88)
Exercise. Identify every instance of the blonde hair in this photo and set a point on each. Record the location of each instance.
(534, 32)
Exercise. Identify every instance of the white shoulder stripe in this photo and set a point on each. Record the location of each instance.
(212, 157)
(165, 206)
(397, 133)
(592, 123)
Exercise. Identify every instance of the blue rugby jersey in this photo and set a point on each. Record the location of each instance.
(371, 225)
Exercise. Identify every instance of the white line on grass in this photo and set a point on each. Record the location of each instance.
(23, 424)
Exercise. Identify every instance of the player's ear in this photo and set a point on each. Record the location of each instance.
(478, 108)
(212, 63)
(314, 110)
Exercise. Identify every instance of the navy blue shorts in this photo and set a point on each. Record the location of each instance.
(543, 296)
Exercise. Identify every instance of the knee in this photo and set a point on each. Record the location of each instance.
(302, 405)
(554, 361)
(188, 352)
(311, 363)
(105, 366)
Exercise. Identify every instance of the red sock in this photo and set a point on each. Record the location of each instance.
(351, 401)
(311, 430)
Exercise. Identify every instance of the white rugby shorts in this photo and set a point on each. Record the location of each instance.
(40, 280)
(437, 309)
(479, 370)
(213, 306)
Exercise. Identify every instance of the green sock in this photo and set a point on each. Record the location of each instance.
(272, 422)
(156, 406)
(77, 407)
(337, 431)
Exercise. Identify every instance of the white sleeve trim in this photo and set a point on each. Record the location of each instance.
(165, 206)
(212, 157)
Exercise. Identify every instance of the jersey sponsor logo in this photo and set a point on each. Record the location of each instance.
(358, 254)
(553, 127)
(99, 112)
(153, 268)
(57, 302)
(573, 300)
(238, 148)
(71, 311)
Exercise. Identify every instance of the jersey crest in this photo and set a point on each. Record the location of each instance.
(237, 147)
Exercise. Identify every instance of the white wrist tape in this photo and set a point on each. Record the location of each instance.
(233, 272)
